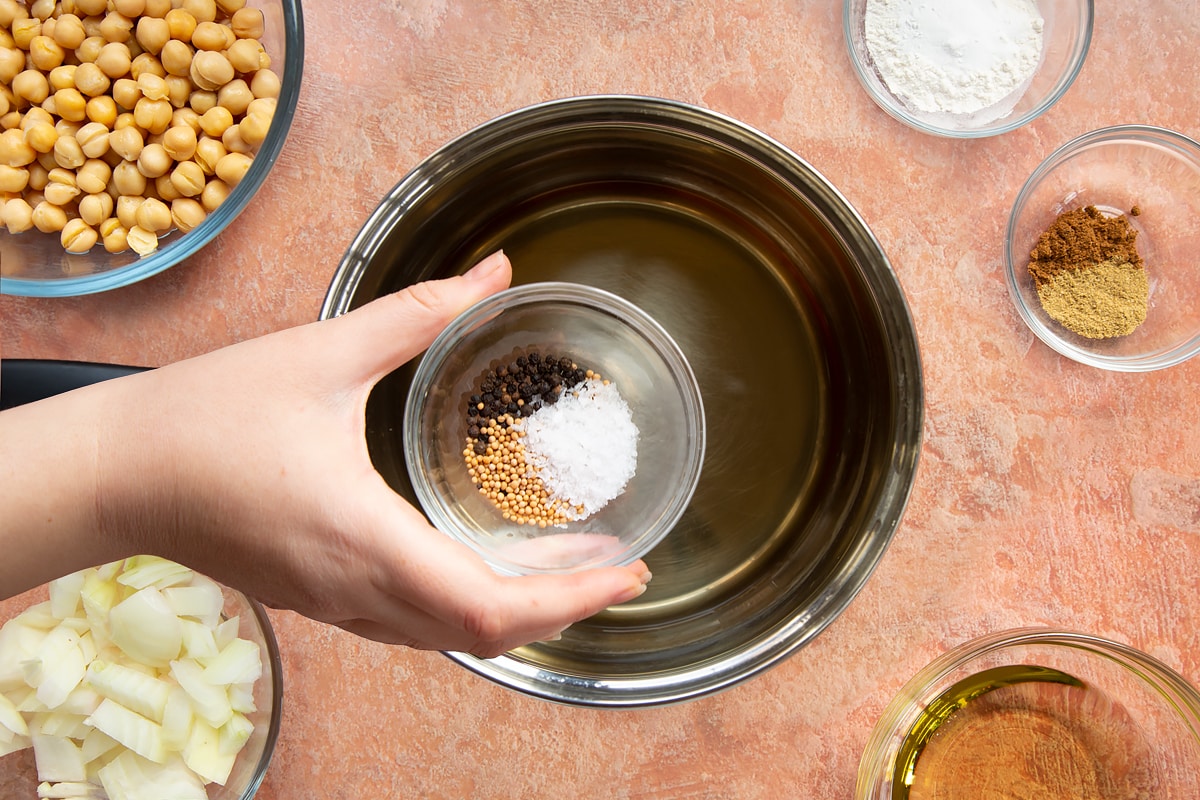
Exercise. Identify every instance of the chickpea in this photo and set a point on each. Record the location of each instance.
(265, 83)
(247, 23)
(235, 96)
(12, 62)
(126, 93)
(186, 117)
(114, 60)
(234, 142)
(10, 120)
(179, 90)
(233, 167)
(93, 139)
(70, 105)
(116, 27)
(254, 129)
(216, 121)
(95, 208)
(125, 120)
(208, 152)
(128, 179)
(228, 7)
(209, 36)
(69, 32)
(153, 161)
(146, 63)
(165, 190)
(153, 116)
(181, 23)
(157, 8)
(211, 70)
(93, 177)
(89, 51)
(62, 77)
(115, 240)
(47, 160)
(61, 194)
(153, 86)
(201, 101)
(15, 179)
(49, 106)
(39, 176)
(91, 80)
(14, 151)
(245, 55)
(202, 10)
(127, 206)
(17, 215)
(176, 58)
(102, 110)
(180, 142)
(130, 8)
(42, 9)
(142, 241)
(31, 85)
(264, 106)
(45, 53)
(49, 218)
(153, 33)
(41, 136)
(187, 213)
(188, 178)
(78, 237)
(68, 153)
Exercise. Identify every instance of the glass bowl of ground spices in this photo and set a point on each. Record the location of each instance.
(967, 68)
(553, 427)
(1036, 712)
(1102, 245)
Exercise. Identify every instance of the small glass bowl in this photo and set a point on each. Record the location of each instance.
(34, 263)
(1066, 36)
(1116, 169)
(602, 332)
(1117, 719)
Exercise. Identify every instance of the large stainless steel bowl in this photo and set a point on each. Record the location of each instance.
(790, 315)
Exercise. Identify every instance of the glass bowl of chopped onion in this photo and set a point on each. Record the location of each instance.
(1036, 712)
(554, 427)
(1100, 250)
(142, 679)
(167, 127)
(967, 69)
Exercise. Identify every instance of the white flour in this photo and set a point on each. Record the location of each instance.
(955, 56)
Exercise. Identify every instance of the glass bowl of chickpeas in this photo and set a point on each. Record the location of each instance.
(132, 132)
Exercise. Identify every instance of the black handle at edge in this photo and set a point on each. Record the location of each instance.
(24, 380)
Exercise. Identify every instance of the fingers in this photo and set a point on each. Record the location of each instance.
(390, 331)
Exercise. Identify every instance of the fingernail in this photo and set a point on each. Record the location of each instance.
(631, 593)
(645, 577)
(486, 267)
(556, 637)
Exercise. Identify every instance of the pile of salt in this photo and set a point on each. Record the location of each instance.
(584, 447)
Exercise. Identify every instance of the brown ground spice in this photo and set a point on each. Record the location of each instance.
(1080, 239)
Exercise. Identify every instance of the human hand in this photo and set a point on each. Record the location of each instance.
(250, 464)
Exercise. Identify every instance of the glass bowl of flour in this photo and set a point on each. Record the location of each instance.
(967, 68)
(554, 427)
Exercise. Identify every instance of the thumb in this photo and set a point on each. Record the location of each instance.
(409, 320)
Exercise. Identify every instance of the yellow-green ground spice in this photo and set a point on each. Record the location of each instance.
(1101, 301)
(1088, 273)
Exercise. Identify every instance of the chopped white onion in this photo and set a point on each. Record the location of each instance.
(128, 684)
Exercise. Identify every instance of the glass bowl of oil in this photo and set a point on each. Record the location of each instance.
(1037, 713)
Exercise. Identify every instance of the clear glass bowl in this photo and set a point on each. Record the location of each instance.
(1116, 723)
(1115, 169)
(1066, 37)
(602, 332)
(34, 263)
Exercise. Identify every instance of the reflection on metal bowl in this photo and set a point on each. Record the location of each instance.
(790, 316)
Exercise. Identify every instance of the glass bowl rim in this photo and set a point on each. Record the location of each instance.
(890, 105)
(184, 246)
(595, 300)
(274, 657)
(1182, 145)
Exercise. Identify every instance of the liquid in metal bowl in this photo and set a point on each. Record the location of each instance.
(790, 315)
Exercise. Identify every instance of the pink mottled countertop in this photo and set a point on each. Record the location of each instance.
(1048, 492)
